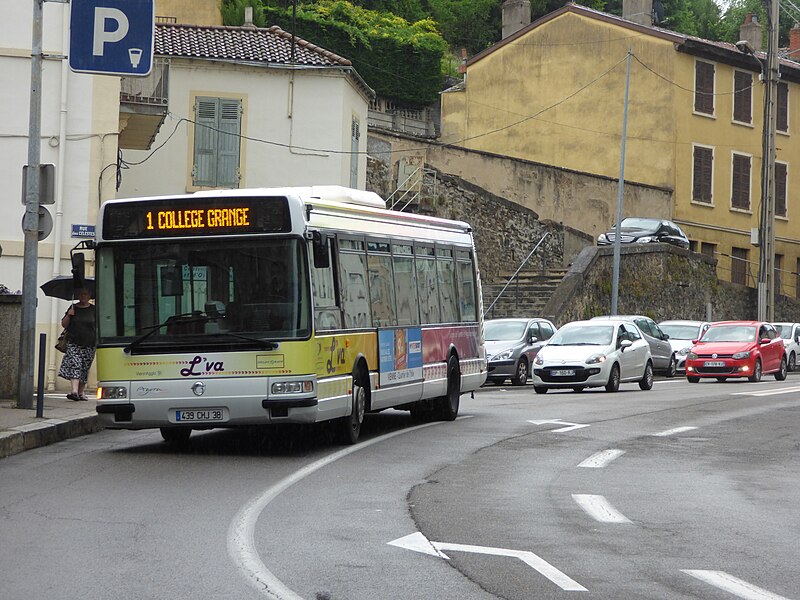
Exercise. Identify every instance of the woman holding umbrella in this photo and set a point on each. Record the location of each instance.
(79, 322)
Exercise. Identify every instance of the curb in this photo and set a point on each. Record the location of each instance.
(48, 431)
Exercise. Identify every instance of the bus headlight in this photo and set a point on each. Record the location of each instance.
(112, 392)
(292, 387)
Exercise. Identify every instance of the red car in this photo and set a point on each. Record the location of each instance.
(737, 349)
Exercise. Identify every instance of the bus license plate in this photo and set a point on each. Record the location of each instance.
(194, 416)
(714, 363)
(563, 372)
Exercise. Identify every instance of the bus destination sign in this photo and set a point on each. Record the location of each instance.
(164, 218)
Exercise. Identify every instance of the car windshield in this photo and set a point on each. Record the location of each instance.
(496, 331)
(680, 331)
(730, 333)
(634, 223)
(583, 335)
(784, 330)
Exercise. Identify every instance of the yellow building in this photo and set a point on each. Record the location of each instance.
(553, 92)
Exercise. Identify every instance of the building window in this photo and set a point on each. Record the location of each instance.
(740, 196)
(708, 249)
(781, 170)
(783, 107)
(355, 135)
(702, 171)
(704, 87)
(693, 245)
(217, 133)
(739, 265)
(742, 97)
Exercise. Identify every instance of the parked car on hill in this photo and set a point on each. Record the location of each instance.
(790, 332)
(511, 346)
(664, 360)
(737, 349)
(593, 353)
(637, 230)
(682, 335)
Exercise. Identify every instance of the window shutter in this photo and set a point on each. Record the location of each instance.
(742, 93)
(229, 143)
(355, 135)
(205, 142)
(780, 189)
(741, 182)
(704, 87)
(783, 106)
(703, 171)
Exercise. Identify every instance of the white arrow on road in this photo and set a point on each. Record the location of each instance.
(570, 426)
(419, 543)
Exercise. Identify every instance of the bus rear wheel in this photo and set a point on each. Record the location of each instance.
(176, 435)
(447, 405)
(349, 427)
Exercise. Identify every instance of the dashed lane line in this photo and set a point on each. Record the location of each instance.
(599, 508)
(601, 459)
(673, 431)
(734, 585)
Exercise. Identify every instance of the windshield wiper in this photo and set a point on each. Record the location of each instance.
(266, 344)
(193, 318)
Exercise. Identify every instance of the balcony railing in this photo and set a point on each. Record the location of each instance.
(151, 90)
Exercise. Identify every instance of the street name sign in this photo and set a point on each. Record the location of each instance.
(112, 37)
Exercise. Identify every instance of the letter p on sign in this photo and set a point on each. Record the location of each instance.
(103, 36)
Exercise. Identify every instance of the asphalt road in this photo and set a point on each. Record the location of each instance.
(685, 491)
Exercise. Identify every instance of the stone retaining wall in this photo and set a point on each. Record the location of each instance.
(10, 327)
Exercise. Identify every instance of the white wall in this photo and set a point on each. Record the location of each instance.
(320, 109)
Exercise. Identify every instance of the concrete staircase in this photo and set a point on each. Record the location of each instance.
(524, 297)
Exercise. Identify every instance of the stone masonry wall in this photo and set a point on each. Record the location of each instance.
(10, 326)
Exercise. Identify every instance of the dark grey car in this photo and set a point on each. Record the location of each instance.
(636, 230)
(664, 360)
(511, 346)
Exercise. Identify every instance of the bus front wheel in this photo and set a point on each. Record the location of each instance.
(447, 405)
(349, 427)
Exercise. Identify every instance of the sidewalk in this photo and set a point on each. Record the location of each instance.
(20, 429)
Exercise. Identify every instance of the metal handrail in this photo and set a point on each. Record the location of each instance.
(400, 187)
(513, 277)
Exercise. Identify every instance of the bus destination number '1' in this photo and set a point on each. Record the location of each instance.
(201, 218)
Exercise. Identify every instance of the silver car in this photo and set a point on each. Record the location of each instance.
(664, 360)
(511, 346)
(790, 332)
(681, 337)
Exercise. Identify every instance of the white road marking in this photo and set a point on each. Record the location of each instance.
(241, 540)
(599, 508)
(419, 543)
(669, 432)
(601, 459)
(569, 426)
(772, 392)
(732, 584)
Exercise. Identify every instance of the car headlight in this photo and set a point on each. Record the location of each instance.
(596, 359)
(539, 360)
(741, 355)
(292, 387)
(646, 239)
(601, 237)
(684, 351)
(503, 355)
(691, 356)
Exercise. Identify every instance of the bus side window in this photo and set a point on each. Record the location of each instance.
(446, 276)
(426, 285)
(466, 286)
(405, 284)
(381, 284)
(353, 283)
(327, 312)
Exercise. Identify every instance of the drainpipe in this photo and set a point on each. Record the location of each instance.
(55, 313)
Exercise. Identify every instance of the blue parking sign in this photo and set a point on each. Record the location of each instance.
(112, 37)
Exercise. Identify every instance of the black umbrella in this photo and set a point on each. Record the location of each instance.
(63, 287)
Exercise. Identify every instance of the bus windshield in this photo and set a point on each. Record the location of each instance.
(203, 293)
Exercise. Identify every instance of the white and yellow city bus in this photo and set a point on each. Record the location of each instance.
(232, 308)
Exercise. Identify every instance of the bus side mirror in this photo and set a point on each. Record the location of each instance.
(78, 261)
(322, 257)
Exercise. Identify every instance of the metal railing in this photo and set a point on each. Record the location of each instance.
(411, 192)
(151, 90)
(516, 274)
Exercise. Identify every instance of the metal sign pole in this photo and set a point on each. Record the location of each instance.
(617, 250)
(30, 223)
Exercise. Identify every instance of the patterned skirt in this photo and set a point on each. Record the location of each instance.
(76, 362)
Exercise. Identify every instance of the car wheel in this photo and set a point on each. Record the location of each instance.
(613, 380)
(521, 378)
(780, 374)
(176, 435)
(792, 362)
(693, 379)
(756, 376)
(578, 388)
(540, 389)
(672, 368)
(646, 382)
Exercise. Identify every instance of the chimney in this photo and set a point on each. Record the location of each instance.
(638, 11)
(794, 43)
(516, 15)
(248, 17)
(751, 31)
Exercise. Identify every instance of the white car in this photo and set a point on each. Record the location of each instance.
(681, 335)
(594, 354)
(790, 332)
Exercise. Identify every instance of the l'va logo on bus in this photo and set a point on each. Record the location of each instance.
(216, 366)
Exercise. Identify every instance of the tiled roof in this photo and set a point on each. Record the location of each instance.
(250, 44)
